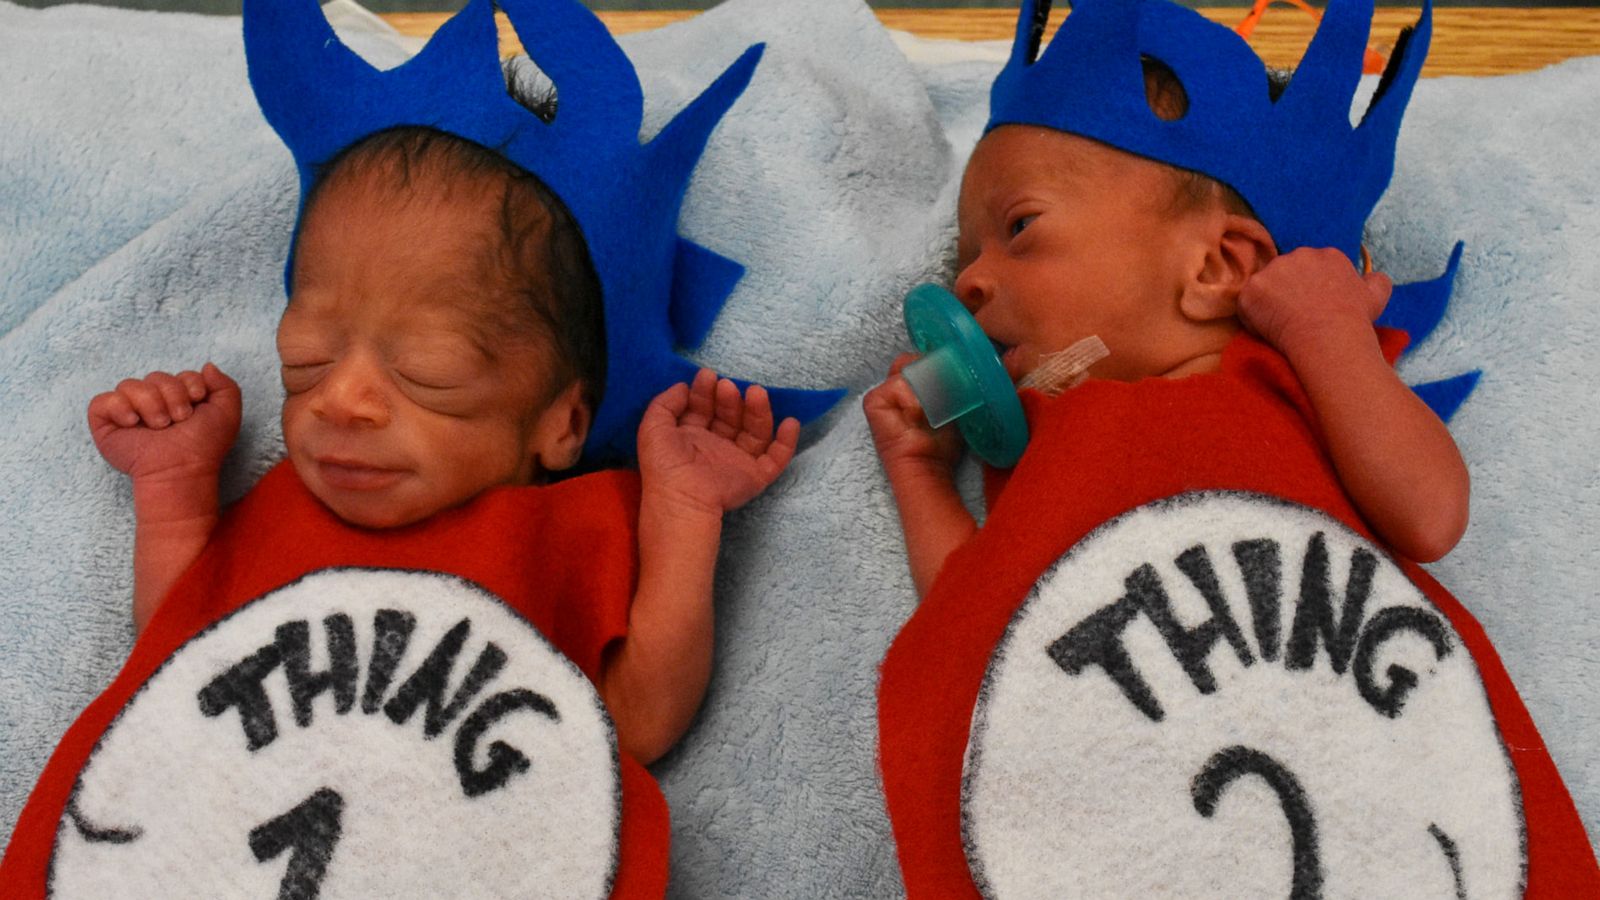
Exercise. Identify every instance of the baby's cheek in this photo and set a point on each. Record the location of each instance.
(290, 420)
(473, 456)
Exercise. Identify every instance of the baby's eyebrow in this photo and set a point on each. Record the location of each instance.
(485, 332)
(312, 303)
(483, 347)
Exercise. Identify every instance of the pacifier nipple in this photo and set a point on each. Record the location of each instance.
(960, 378)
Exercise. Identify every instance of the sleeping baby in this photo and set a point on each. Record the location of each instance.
(414, 660)
(443, 338)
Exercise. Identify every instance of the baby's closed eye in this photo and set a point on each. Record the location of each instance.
(306, 355)
(437, 367)
(433, 379)
(303, 375)
(445, 382)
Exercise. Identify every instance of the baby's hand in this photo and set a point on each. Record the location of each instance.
(900, 431)
(1302, 294)
(167, 425)
(707, 447)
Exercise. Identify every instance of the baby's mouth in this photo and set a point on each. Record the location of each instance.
(353, 475)
(1010, 358)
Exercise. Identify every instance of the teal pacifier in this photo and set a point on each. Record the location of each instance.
(960, 378)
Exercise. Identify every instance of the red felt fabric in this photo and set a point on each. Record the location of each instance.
(563, 556)
(1098, 451)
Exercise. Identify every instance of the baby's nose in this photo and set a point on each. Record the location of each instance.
(354, 394)
(973, 286)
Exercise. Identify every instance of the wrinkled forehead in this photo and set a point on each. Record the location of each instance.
(433, 229)
(429, 258)
(1013, 161)
(419, 193)
(1019, 156)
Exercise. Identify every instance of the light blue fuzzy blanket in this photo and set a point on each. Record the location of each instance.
(144, 215)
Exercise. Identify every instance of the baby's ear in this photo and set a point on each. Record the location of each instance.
(561, 429)
(1240, 247)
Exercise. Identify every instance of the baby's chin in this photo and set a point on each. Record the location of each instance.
(375, 519)
(378, 510)
(373, 513)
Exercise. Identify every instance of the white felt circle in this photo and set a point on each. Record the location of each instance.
(364, 806)
(1072, 789)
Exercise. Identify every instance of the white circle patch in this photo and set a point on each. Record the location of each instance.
(359, 733)
(1225, 695)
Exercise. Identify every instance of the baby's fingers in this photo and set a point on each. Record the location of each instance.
(174, 391)
(729, 419)
(194, 385)
(111, 408)
(215, 380)
(757, 432)
(664, 411)
(901, 361)
(783, 445)
(150, 400)
(222, 391)
(671, 402)
(894, 400)
(701, 400)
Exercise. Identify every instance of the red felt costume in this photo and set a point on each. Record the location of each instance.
(563, 557)
(1098, 452)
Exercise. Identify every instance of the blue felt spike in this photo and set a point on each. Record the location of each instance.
(801, 403)
(1031, 21)
(1446, 395)
(701, 283)
(1380, 124)
(1418, 307)
(289, 49)
(1104, 36)
(595, 82)
(679, 144)
(1405, 67)
(453, 61)
(1330, 69)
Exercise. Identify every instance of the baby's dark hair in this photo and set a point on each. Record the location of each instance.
(540, 257)
(1169, 101)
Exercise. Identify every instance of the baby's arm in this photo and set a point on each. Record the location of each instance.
(920, 464)
(703, 450)
(169, 433)
(1395, 457)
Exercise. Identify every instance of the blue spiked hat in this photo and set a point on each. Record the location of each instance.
(1280, 156)
(661, 292)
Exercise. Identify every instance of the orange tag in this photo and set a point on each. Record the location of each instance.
(1371, 64)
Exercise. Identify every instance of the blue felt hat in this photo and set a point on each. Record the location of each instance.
(661, 292)
(1311, 177)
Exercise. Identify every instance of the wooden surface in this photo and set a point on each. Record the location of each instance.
(1466, 40)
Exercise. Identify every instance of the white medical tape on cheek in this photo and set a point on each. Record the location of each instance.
(1065, 369)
